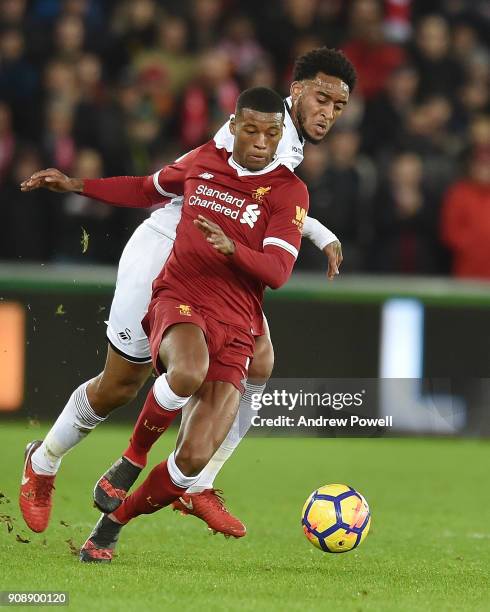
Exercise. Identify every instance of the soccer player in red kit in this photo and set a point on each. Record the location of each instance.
(323, 79)
(240, 231)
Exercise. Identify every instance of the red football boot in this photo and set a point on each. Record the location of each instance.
(100, 545)
(113, 486)
(209, 506)
(36, 490)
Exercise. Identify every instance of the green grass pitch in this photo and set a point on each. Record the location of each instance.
(429, 547)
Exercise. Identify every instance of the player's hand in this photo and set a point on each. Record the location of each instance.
(333, 251)
(215, 235)
(52, 179)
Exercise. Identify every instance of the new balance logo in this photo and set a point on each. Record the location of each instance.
(250, 215)
(206, 176)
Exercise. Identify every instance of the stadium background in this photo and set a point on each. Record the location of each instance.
(121, 87)
(108, 88)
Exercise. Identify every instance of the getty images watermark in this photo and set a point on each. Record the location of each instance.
(356, 407)
(318, 404)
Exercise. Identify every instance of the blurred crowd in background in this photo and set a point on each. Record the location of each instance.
(105, 88)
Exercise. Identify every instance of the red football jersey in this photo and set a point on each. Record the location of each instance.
(263, 211)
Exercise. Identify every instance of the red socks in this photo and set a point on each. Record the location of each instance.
(152, 422)
(157, 491)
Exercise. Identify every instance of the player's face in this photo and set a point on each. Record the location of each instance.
(317, 104)
(256, 137)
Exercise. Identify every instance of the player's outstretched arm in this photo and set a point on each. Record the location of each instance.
(128, 191)
(327, 242)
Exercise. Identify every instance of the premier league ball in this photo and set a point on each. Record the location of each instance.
(336, 518)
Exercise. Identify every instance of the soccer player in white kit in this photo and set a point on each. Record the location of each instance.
(323, 80)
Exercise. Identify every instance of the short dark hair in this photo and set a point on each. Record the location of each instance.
(329, 61)
(262, 99)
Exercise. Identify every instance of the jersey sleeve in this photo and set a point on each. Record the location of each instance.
(288, 215)
(126, 191)
(169, 182)
(142, 191)
(318, 233)
(281, 243)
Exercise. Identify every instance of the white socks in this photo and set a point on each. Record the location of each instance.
(78, 419)
(179, 479)
(165, 397)
(75, 422)
(240, 426)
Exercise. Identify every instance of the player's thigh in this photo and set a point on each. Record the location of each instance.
(142, 259)
(208, 422)
(262, 364)
(184, 348)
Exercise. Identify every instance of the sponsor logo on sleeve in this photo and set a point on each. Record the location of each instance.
(300, 217)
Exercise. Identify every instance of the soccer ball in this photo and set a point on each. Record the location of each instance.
(336, 518)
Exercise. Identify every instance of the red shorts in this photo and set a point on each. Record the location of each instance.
(230, 347)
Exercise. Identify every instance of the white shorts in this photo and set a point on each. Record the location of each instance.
(142, 259)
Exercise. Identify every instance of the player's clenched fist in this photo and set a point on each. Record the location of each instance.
(52, 179)
(215, 235)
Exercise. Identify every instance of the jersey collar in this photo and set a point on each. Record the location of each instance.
(241, 171)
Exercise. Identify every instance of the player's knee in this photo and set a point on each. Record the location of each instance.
(191, 460)
(185, 380)
(262, 364)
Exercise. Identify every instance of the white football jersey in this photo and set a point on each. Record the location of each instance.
(289, 151)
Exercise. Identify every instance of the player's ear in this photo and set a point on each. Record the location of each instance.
(296, 89)
(233, 125)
